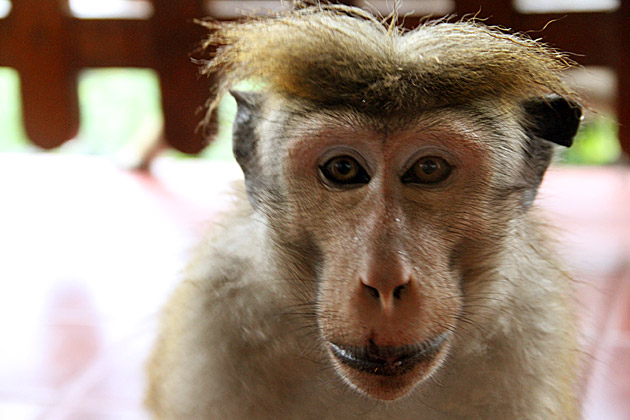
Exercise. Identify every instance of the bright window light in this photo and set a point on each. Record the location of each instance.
(122, 9)
(562, 6)
(5, 8)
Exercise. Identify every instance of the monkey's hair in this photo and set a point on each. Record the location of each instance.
(332, 55)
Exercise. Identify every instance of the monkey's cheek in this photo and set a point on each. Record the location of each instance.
(389, 387)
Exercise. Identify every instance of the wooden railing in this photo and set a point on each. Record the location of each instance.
(48, 47)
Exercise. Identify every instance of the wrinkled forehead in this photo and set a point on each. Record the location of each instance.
(479, 127)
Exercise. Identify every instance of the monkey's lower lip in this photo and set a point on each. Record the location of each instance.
(387, 360)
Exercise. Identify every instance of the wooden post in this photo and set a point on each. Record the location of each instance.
(44, 60)
(183, 92)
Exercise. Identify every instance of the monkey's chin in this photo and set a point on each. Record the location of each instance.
(388, 373)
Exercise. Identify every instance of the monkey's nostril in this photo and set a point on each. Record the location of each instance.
(372, 291)
(398, 290)
(396, 293)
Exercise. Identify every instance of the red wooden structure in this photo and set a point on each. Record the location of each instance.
(48, 46)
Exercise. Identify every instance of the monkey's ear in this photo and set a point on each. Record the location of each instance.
(245, 141)
(249, 100)
(553, 118)
(550, 119)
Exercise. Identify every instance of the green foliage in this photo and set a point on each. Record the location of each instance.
(221, 147)
(12, 135)
(115, 105)
(595, 144)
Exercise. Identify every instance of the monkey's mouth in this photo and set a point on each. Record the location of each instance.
(388, 360)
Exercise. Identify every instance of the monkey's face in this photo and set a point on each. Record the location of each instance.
(390, 212)
(394, 217)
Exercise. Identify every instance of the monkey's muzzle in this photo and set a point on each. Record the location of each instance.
(387, 360)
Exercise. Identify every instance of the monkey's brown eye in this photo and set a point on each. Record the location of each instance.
(344, 171)
(428, 170)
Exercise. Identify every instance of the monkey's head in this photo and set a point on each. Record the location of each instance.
(396, 165)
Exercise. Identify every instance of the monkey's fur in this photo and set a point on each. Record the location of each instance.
(388, 297)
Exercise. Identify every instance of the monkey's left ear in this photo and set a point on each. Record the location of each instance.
(550, 119)
(553, 118)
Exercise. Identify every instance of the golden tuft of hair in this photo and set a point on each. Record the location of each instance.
(335, 55)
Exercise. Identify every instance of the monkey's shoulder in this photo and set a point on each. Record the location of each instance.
(227, 280)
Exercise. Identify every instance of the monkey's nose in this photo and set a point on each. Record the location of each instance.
(386, 290)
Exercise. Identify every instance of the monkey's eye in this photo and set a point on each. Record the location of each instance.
(344, 171)
(428, 170)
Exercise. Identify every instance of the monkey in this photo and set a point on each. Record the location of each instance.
(384, 257)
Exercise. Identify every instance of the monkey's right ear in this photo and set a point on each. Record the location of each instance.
(245, 142)
(553, 118)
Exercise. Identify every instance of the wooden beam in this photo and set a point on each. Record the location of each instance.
(494, 12)
(113, 43)
(591, 38)
(45, 61)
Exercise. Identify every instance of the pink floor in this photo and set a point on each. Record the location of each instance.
(89, 252)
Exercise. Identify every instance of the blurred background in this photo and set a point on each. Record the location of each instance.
(105, 184)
